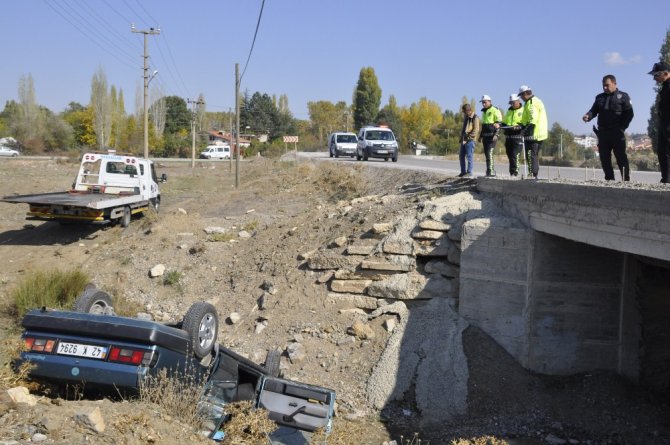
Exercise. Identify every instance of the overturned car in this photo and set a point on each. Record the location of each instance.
(93, 346)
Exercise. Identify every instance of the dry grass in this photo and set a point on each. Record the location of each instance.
(177, 394)
(247, 425)
(54, 289)
(339, 183)
(341, 434)
(10, 349)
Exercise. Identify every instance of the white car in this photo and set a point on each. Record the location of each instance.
(219, 151)
(6, 151)
(377, 142)
(342, 144)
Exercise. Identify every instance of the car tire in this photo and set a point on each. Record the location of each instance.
(386, 159)
(272, 362)
(125, 218)
(156, 203)
(337, 154)
(365, 155)
(201, 323)
(358, 157)
(93, 301)
(394, 158)
(15, 155)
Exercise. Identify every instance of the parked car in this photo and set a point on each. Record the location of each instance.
(342, 144)
(6, 151)
(91, 345)
(376, 142)
(218, 151)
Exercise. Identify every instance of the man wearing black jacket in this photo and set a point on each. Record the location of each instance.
(614, 112)
(661, 73)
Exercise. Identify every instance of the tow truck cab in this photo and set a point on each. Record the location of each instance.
(117, 174)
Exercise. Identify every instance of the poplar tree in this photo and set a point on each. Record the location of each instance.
(367, 98)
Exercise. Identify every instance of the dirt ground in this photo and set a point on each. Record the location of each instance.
(280, 211)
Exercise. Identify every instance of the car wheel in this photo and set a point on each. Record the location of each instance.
(365, 155)
(358, 157)
(395, 158)
(386, 159)
(156, 204)
(201, 323)
(272, 360)
(125, 219)
(94, 301)
(14, 155)
(337, 154)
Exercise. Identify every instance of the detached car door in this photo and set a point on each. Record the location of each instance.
(297, 405)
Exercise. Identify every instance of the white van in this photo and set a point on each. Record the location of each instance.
(218, 151)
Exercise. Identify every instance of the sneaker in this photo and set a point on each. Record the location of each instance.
(461, 175)
(467, 175)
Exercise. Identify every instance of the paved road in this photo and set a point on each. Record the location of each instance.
(440, 165)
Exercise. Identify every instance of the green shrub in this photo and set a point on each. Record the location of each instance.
(54, 289)
(172, 278)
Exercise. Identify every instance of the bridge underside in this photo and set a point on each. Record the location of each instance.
(584, 287)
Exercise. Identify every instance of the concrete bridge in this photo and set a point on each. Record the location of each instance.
(584, 286)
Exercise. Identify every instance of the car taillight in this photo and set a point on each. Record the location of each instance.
(132, 356)
(39, 344)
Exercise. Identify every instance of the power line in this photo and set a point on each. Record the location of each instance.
(103, 21)
(258, 23)
(126, 63)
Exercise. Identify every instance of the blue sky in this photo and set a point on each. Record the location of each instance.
(314, 49)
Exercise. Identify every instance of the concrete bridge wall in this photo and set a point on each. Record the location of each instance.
(562, 296)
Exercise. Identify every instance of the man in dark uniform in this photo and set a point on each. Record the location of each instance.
(661, 73)
(614, 112)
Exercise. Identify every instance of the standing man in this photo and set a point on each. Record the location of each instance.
(491, 119)
(513, 136)
(534, 123)
(469, 134)
(661, 73)
(614, 112)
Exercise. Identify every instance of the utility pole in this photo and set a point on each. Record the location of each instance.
(230, 126)
(193, 104)
(146, 76)
(237, 125)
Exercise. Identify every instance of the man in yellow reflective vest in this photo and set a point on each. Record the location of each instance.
(513, 136)
(534, 123)
(491, 119)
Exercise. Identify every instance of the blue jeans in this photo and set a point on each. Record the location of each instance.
(466, 152)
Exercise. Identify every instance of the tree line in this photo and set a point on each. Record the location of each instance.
(104, 123)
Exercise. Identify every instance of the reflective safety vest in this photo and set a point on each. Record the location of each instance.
(534, 114)
(512, 118)
(490, 116)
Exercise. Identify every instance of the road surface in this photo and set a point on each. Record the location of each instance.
(439, 165)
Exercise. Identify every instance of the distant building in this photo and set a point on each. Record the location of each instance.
(222, 136)
(586, 141)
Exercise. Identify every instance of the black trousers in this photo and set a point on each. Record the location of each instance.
(663, 147)
(533, 153)
(513, 147)
(489, 146)
(613, 140)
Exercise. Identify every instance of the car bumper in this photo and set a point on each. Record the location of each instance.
(383, 153)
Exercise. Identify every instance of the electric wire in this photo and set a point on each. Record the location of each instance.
(253, 42)
(124, 62)
(72, 11)
(133, 44)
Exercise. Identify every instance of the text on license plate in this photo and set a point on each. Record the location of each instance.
(382, 151)
(80, 350)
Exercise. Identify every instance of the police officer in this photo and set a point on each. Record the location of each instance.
(614, 112)
(513, 136)
(491, 119)
(661, 73)
(535, 126)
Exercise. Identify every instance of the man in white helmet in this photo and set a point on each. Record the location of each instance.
(513, 136)
(534, 123)
(491, 119)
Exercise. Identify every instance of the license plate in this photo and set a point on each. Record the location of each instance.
(382, 151)
(80, 350)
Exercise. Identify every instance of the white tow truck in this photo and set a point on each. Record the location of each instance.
(109, 188)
